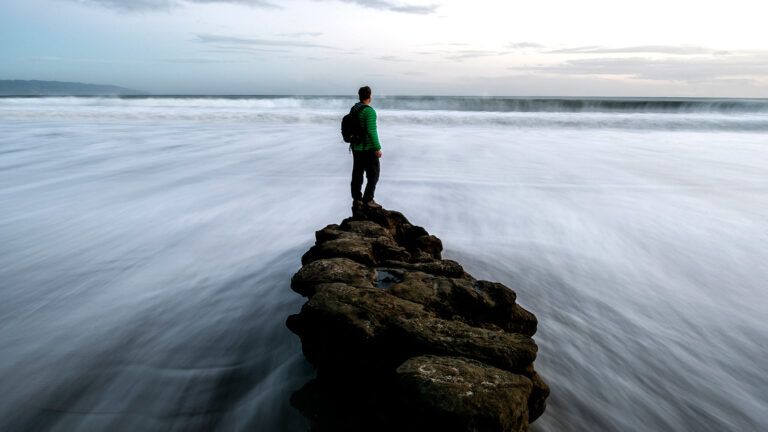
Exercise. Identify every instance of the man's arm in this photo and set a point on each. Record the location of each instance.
(370, 125)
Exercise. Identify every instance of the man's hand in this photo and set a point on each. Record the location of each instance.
(378, 153)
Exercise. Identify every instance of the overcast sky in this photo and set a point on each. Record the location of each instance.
(453, 47)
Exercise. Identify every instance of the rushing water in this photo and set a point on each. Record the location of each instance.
(146, 247)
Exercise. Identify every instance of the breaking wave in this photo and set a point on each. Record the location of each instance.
(749, 115)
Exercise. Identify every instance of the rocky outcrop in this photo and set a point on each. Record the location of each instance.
(404, 340)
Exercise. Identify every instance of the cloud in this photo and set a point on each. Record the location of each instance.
(245, 49)
(646, 49)
(391, 58)
(198, 60)
(460, 55)
(252, 3)
(470, 54)
(55, 59)
(148, 5)
(302, 34)
(670, 69)
(522, 45)
(447, 44)
(144, 5)
(395, 6)
(248, 42)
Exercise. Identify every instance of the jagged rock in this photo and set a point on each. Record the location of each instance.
(355, 248)
(385, 307)
(365, 228)
(341, 325)
(505, 311)
(510, 351)
(537, 402)
(479, 303)
(342, 270)
(446, 268)
(462, 395)
(360, 314)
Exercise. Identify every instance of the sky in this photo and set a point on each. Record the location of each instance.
(653, 48)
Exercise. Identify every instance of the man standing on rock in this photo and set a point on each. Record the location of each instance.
(366, 153)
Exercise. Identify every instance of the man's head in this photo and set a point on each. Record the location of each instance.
(365, 94)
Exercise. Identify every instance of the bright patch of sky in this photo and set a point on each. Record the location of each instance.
(452, 47)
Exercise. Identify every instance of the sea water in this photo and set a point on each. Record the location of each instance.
(147, 245)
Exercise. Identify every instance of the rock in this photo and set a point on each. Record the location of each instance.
(355, 248)
(330, 232)
(462, 395)
(365, 228)
(430, 245)
(537, 402)
(383, 309)
(446, 268)
(505, 312)
(509, 351)
(331, 270)
(340, 325)
(479, 303)
(368, 312)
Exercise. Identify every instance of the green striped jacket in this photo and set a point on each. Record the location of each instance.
(367, 116)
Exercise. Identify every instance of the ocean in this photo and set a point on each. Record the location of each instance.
(147, 245)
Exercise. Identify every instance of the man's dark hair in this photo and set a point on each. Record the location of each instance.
(364, 93)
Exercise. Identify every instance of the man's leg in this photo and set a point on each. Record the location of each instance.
(358, 166)
(372, 169)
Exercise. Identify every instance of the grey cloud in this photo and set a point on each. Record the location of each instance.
(470, 54)
(235, 41)
(302, 34)
(521, 45)
(66, 60)
(129, 5)
(253, 3)
(248, 51)
(391, 58)
(460, 55)
(690, 70)
(144, 5)
(395, 7)
(447, 44)
(245, 49)
(657, 49)
(196, 60)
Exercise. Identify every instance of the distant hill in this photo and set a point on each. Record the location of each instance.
(58, 88)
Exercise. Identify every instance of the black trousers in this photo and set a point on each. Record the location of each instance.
(364, 162)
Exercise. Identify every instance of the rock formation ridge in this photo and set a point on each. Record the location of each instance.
(404, 340)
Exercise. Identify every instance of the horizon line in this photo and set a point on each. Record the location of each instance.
(277, 95)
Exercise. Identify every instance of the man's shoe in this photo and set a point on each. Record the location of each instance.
(373, 204)
(357, 203)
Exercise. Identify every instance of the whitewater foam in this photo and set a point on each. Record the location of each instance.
(147, 245)
(635, 114)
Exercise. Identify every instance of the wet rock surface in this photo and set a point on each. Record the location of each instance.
(461, 394)
(404, 340)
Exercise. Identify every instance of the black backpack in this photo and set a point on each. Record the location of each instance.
(352, 130)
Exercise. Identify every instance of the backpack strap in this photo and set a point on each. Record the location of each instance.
(357, 109)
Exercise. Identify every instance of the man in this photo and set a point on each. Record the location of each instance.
(366, 153)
